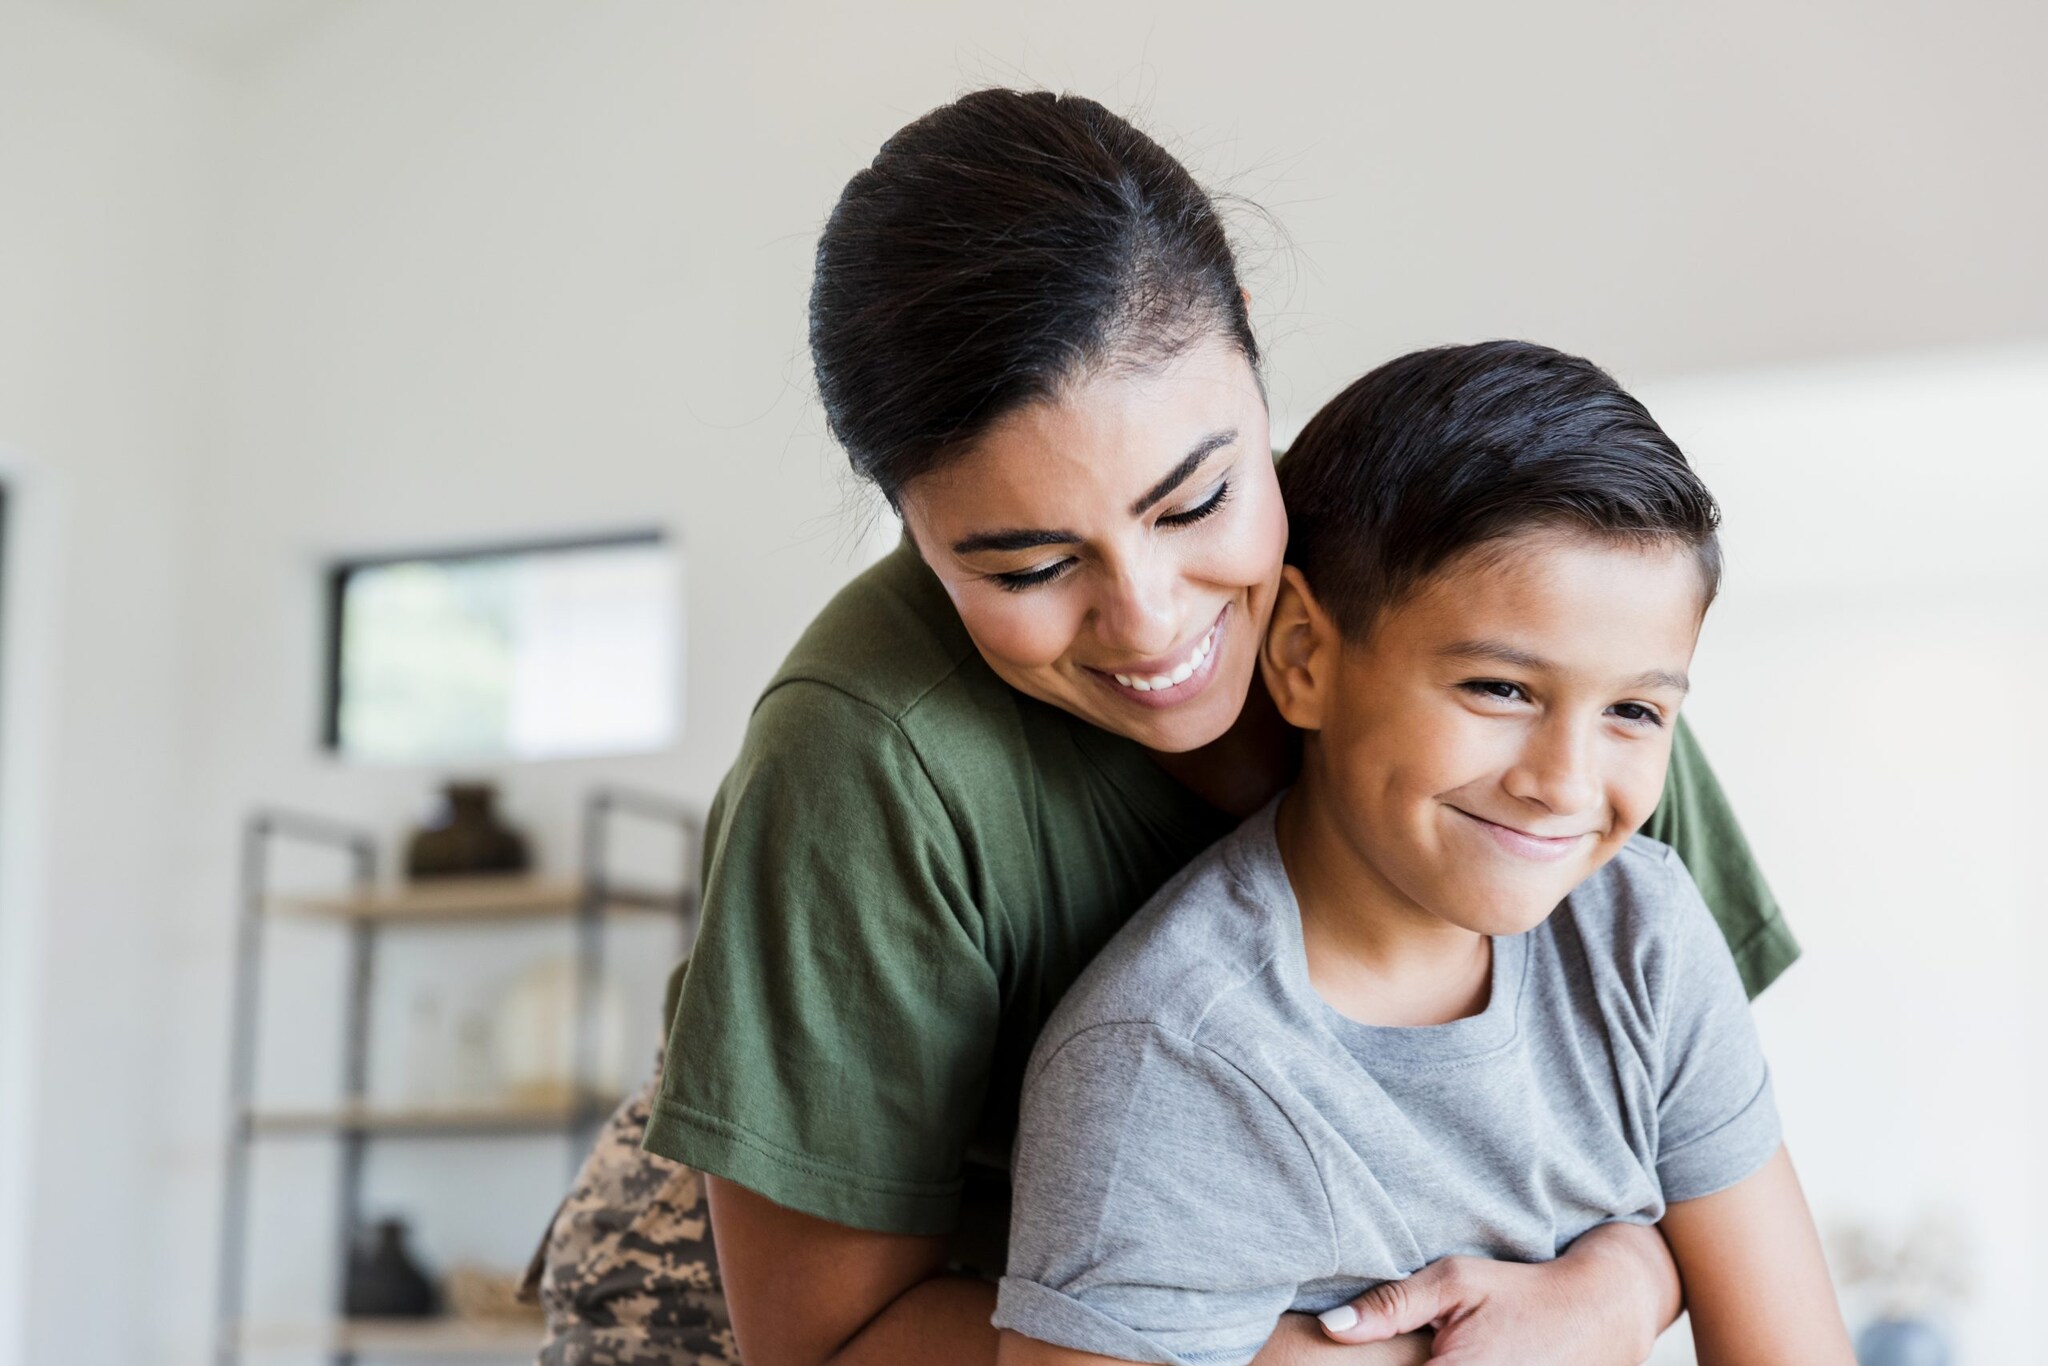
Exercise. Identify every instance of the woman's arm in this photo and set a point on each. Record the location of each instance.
(806, 1292)
(1296, 1342)
(1755, 1280)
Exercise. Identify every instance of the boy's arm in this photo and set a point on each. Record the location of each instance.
(1755, 1281)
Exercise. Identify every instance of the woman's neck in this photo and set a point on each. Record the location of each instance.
(1240, 770)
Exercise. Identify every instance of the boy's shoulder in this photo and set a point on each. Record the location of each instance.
(1636, 907)
(1205, 937)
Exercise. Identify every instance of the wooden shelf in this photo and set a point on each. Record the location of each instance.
(396, 1337)
(542, 1116)
(454, 899)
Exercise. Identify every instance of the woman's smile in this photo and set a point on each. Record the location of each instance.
(1169, 681)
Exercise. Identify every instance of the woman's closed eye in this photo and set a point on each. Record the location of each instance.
(1022, 579)
(1210, 503)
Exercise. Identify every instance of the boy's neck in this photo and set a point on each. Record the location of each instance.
(1373, 955)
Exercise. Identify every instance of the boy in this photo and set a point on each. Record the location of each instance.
(1439, 999)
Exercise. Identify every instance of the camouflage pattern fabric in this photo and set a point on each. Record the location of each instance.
(626, 1273)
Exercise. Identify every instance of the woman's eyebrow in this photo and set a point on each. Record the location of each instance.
(1012, 540)
(1206, 447)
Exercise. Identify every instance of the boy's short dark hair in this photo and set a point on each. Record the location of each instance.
(1440, 451)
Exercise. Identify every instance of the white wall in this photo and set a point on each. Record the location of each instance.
(1863, 687)
(487, 269)
(108, 184)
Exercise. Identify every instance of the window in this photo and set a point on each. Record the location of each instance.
(536, 651)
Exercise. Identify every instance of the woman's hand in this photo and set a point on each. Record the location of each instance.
(1602, 1303)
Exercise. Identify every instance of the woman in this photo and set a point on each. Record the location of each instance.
(981, 758)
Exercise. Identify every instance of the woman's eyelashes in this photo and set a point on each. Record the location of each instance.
(1210, 504)
(1031, 578)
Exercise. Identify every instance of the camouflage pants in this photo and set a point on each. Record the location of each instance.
(627, 1273)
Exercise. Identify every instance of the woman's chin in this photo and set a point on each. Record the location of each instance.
(1176, 730)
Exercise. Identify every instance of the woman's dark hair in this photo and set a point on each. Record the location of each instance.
(995, 249)
(1441, 451)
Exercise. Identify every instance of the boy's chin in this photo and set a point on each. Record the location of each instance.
(1505, 913)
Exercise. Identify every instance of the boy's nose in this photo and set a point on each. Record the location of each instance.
(1556, 771)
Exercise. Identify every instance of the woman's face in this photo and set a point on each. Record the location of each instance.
(1115, 550)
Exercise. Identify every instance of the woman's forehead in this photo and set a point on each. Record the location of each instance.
(1101, 444)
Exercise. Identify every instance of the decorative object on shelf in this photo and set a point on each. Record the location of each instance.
(426, 1053)
(480, 1294)
(1901, 1342)
(383, 1281)
(473, 1071)
(1905, 1277)
(366, 914)
(534, 1033)
(465, 837)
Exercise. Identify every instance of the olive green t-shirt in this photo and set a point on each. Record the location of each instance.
(906, 867)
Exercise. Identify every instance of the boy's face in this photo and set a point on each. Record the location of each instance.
(1502, 732)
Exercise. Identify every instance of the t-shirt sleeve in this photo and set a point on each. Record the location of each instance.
(830, 1044)
(1717, 1121)
(1694, 818)
(1164, 1204)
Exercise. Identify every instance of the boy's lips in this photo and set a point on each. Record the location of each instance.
(1522, 844)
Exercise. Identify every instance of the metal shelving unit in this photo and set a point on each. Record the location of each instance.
(364, 912)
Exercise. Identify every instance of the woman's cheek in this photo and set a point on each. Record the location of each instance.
(1256, 542)
(1033, 631)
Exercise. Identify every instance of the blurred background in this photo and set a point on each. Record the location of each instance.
(397, 391)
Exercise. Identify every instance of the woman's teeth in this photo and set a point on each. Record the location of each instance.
(1181, 671)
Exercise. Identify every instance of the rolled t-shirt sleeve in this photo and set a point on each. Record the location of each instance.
(1164, 1204)
(1717, 1121)
(831, 1040)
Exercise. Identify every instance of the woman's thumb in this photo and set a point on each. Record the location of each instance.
(1387, 1310)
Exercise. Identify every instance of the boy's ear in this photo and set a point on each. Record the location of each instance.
(1300, 653)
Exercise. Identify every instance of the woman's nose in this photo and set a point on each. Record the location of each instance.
(1136, 613)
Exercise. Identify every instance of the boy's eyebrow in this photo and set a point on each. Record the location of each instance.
(1031, 540)
(1499, 652)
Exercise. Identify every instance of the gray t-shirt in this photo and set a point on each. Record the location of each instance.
(1207, 1144)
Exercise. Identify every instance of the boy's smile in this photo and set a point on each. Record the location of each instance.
(1498, 735)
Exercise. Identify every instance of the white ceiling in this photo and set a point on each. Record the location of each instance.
(217, 32)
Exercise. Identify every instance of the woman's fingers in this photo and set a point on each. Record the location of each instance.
(1396, 1307)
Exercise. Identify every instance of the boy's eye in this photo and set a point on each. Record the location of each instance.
(1209, 504)
(1495, 688)
(1031, 578)
(1638, 713)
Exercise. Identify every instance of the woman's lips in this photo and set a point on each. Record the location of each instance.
(1520, 843)
(1171, 681)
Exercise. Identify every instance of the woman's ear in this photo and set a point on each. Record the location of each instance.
(1299, 653)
